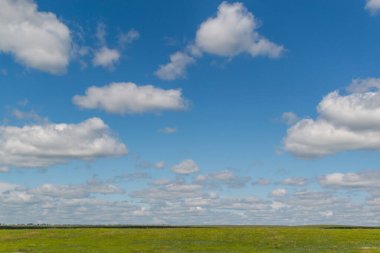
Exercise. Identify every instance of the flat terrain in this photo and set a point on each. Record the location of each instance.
(192, 239)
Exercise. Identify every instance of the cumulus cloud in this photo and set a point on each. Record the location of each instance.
(346, 122)
(373, 6)
(187, 166)
(65, 204)
(231, 32)
(50, 144)
(176, 68)
(36, 39)
(367, 179)
(106, 57)
(129, 98)
(280, 192)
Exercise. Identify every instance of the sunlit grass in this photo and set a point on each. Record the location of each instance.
(213, 239)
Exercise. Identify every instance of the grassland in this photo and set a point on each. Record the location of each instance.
(192, 239)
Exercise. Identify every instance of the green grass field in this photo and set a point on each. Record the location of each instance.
(213, 239)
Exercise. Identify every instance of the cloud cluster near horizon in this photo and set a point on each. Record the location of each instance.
(185, 201)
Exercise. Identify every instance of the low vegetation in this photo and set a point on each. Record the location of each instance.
(189, 239)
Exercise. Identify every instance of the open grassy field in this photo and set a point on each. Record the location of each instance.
(212, 239)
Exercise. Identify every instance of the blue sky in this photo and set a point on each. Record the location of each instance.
(190, 112)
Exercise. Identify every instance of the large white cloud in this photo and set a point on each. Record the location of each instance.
(122, 98)
(373, 6)
(36, 39)
(50, 144)
(345, 122)
(231, 32)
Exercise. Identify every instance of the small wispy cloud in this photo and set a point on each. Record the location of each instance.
(168, 130)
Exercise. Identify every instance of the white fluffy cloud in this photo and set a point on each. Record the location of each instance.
(36, 39)
(106, 57)
(231, 32)
(50, 144)
(373, 6)
(280, 192)
(345, 122)
(176, 68)
(123, 98)
(187, 166)
(367, 179)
